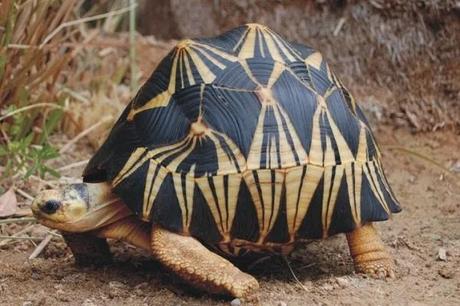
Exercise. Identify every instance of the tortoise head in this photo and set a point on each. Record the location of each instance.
(78, 207)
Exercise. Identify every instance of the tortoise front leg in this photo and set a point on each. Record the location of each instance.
(88, 249)
(368, 252)
(194, 263)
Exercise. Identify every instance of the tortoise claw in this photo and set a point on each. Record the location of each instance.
(379, 269)
(369, 254)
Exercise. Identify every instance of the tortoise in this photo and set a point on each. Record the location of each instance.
(239, 143)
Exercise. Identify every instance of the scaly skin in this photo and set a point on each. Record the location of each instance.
(194, 263)
(369, 254)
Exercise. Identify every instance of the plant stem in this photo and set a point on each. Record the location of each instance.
(132, 44)
(18, 220)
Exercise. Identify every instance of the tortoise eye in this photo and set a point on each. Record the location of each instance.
(50, 206)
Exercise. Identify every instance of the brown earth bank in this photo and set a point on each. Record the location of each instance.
(424, 240)
(409, 50)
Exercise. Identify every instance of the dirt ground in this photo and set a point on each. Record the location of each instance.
(418, 238)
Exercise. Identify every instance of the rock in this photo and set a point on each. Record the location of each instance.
(446, 272)
(27, 303)
(442, 254)
(88, 302)
(235, 302)
(140, 288)
(327, 287)
(342, 282)
(116, 289)
(455, 167)
(282, 303)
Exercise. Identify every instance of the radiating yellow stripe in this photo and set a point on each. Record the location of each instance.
(246, 69)
(281, 45)
(298, 199)
(210, 58)
(361, 155)
(170, 149)
(226, 163)
(160, 100)
(278, 69)
(330, 195)
(354, 190)
(234, 183)
(181, 64)
(374, 187)
(214, 206)
(152, 188)
(185, 204)
(344, 150)
(285, 147)
(131, 165)
(206, 74)
(329, 156)
(220, 53)
(261, 45)
(266, 215)
(247, 50)
(224, 220)
(172, 166)
(316, 150)
(315, 60)
(255, 150)
(272, 48)
(188, 69)
(241, 40)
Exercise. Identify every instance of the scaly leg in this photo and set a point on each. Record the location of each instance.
(88, 249)
(194, 263)
(368, 252)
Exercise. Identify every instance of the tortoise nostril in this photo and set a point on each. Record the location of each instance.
(50, 206)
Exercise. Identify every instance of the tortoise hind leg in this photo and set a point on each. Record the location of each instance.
(194, 263)
(368, 252)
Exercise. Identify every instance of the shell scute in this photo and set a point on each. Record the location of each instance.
(251, 140)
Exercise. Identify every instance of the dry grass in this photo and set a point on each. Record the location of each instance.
(28, 71)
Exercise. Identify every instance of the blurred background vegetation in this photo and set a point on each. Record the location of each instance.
(68, 68)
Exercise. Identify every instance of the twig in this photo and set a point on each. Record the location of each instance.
(2, 237)
(84, 133)
(132, 44)
(23, 193)
(339, 26)
(76, 95)
(23, 231)
(293, 275)
(83, 20)
(40, 247)
(73, 165)
(18, 220)
(54, 234)
(22, 109)
(426, 158)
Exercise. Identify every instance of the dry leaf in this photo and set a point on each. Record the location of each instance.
(8, 203)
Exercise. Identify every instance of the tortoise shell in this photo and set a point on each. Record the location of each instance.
(246, 141)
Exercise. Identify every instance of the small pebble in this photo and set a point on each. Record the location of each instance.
(116, 289)
(446, 273)
(235, 302)
(88, 302)
(442, 254)
(342, 282)
(27, 303)
(281, 303)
